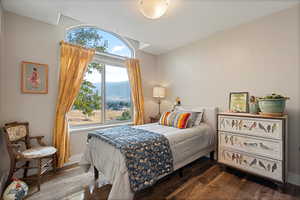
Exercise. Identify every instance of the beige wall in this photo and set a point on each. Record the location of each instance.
(259, 57)
(31, 40)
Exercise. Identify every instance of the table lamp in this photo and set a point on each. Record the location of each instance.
(159, 93)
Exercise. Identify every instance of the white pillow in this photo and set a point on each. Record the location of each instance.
(198, 119)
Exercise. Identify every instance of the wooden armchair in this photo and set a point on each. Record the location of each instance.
(19, 146)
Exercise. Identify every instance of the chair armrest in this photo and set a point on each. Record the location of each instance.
(16, 151)
(39, 139)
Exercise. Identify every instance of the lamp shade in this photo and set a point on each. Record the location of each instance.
(159, 92)
(153, 9)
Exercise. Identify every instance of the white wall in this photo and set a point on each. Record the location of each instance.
(31, 40)
(259, 57)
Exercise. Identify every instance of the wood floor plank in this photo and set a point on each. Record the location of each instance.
(216, 189)
(248, 190)
(195, 183)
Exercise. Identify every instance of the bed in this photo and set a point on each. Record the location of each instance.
(186, 145)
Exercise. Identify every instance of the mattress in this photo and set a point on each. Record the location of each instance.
(184, 142)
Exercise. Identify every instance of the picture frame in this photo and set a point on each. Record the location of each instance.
(239, 102)
(34, 78)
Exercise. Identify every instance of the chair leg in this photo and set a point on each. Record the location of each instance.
(54, 162)
(39, 175)
(212, 155)
(26, 169)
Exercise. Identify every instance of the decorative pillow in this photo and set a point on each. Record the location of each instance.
(197, 115)
(192, 118)
(171, 118)
(178, 119)
(195, 118)
(181, 120)
(164, 118)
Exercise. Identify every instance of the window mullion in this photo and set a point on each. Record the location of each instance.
(103, 100)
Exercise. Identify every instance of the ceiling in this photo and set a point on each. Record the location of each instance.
(184, 22)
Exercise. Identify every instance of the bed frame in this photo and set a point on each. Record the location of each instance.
(180, 170)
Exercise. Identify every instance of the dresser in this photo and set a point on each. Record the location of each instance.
(254, 144)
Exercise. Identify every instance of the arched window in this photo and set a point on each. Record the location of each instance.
(104, 97)
(102, 41)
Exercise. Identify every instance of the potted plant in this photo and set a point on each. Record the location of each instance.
(273, 104)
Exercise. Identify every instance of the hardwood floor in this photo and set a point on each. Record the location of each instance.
(202, 180)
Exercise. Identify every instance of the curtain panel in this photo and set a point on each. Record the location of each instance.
(135, 79)
(73, 64)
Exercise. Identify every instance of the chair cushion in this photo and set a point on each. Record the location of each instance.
(38, 152)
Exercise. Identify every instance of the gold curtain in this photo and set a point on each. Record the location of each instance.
(73, 64)
(134, 74)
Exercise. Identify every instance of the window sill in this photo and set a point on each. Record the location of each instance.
(95, 127)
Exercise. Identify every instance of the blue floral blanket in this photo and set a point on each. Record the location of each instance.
(147, 154)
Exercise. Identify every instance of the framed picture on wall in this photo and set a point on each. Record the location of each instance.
(34, 78)
(239, 102)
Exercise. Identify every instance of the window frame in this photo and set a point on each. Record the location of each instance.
(105, 58)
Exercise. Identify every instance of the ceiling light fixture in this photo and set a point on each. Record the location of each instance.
(153, 9)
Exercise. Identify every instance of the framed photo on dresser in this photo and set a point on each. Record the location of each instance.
(239, 102)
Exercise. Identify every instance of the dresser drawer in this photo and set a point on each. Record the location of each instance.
(251, 163)
(263, 147)
(268, 128)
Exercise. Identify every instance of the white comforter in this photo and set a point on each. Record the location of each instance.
(186, 146)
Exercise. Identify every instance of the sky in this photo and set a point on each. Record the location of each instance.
(118, 47)
(113, 74)
(115, 45)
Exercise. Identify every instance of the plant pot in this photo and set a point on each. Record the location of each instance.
(253, 108)
(275, 106)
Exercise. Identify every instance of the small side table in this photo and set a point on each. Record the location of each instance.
(154, 119)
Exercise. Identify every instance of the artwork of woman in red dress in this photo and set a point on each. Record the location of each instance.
(34, 78)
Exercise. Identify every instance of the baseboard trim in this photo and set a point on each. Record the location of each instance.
(294, 178)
